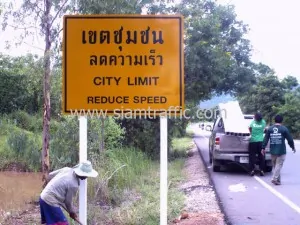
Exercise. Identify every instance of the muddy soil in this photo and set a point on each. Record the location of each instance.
(18, 190)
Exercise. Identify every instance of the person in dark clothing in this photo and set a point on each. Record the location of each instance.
(257, 128)
(277, 134)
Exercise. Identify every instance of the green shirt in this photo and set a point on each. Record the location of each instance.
(277, 135)
(257, 130)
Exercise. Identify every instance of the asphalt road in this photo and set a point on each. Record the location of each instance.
(255, 200)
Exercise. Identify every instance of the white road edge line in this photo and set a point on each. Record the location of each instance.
(279, 195)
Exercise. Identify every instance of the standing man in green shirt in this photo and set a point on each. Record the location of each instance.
(257, 128)
(277, 135)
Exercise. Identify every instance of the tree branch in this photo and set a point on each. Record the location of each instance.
(38, 14)
(21, 28)
(33, 46)
(58, 33)
(40, 9)
(54, 18)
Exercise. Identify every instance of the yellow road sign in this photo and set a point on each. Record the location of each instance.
(123, 62)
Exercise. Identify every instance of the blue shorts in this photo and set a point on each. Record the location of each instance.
(51, 215)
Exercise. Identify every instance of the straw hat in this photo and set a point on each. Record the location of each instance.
(85, 169)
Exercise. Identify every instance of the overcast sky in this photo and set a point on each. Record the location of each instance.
(274, 34)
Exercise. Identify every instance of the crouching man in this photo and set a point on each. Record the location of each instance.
(62, 186)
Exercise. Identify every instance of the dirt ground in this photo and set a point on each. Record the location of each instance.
(17, 192)
(29, 217)
(203, 218)
(201, 205)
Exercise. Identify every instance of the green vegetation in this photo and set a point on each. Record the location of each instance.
(127, 187)
(270, 96)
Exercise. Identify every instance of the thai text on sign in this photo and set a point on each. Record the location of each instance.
(131, 62)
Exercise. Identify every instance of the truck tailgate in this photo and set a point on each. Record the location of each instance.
(234, 143)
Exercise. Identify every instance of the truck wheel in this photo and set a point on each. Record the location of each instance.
(216, 167)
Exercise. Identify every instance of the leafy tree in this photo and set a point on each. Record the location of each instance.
(265, 96)
(269, 95)
(21, 79)
(261, 69)
(289, 82)
(112, 6)
(216, 53)
(56, 92)
(247, 98)
(290, 111)
(46, 12)
(12, 92)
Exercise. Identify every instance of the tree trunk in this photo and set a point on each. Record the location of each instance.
(47, 71)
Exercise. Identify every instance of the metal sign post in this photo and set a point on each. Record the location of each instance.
(163, 170)
(83, 157)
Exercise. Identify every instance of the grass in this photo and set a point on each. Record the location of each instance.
(5, 129)
(180, 147)
(19, 146)
(189, 131)
(2, 143)
(182, 144)
(128, 185)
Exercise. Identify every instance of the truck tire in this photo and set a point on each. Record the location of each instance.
(210, 157)
(216, 167)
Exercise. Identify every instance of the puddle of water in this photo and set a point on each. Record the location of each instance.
(18, 189)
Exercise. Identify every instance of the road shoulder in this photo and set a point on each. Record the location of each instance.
(201, 203)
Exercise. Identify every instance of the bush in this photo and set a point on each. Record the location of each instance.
(64, 143)
(291, 112)
(26, 121)
(180, 147)
(144, 134)
(113, 134)
(24, 147)
(18, 142)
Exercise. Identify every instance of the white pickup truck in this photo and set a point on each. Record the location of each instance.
(228, 147)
